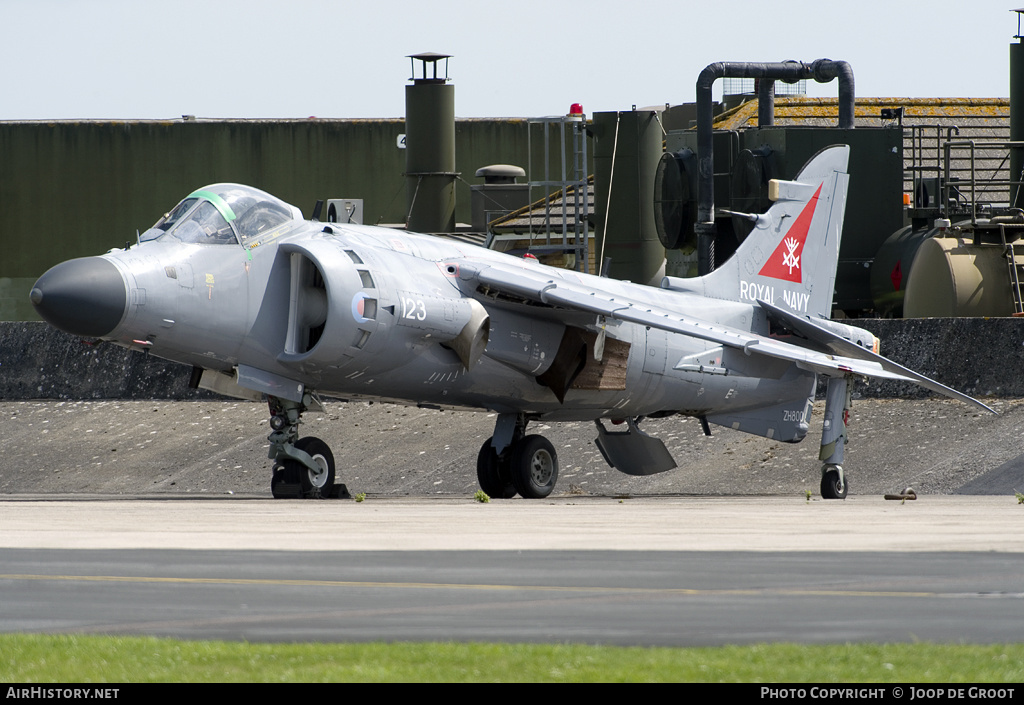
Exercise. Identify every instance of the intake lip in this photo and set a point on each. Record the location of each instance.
(85, 296)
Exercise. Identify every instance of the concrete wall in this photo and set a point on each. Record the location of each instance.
(977, 356)
(40, 362)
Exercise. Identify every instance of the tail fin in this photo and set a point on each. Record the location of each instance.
(790, 256)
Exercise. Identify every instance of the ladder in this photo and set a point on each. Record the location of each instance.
(574, 203)
(1014, 252)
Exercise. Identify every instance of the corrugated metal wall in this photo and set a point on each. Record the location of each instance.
(72, 189)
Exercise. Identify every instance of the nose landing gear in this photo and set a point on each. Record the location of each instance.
(303, 467)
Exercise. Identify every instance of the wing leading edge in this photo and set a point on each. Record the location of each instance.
(847, 358)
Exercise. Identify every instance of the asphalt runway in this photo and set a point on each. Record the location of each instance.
(649, 571)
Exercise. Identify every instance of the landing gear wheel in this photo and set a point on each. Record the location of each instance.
(534, 467)
(833, 485)
(492, 474)
(315, 484)
(284, 483)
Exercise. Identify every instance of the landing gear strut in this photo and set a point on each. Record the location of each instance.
(303, 467)
(833, 439)
(512, 462)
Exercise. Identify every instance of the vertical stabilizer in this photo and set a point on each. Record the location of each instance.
(789, 258)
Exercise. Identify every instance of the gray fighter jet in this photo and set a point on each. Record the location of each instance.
(262, 303)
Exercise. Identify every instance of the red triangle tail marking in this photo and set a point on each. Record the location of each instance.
(786, 261)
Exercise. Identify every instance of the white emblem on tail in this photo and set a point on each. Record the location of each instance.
(791, 259)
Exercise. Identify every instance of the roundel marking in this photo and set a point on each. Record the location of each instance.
(358, 306)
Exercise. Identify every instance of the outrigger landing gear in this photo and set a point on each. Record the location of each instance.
(512, 462)
(303, 467)
(833, 438)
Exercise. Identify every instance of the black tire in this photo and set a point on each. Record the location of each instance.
(315, 485)
(284, 483)
(493, 477)
(534, 467)
(832, 487)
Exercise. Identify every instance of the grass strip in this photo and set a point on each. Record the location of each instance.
(94, 659)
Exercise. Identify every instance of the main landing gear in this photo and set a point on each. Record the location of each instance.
(303, 467)
(511, 462)
(833, 438)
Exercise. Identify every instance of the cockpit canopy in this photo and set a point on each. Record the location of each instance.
(223, 214)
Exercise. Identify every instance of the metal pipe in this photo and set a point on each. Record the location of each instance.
(821, 70)
(766, 103)
(1016, 120)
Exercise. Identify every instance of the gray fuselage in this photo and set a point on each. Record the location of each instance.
(368, 313)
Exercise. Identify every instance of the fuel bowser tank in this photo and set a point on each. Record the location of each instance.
(953, 277)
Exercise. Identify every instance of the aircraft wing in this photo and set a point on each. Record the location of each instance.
(532, 285)
(817, 333)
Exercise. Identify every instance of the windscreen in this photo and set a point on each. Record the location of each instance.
(223, 214)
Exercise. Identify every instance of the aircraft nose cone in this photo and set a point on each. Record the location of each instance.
(85, 296)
